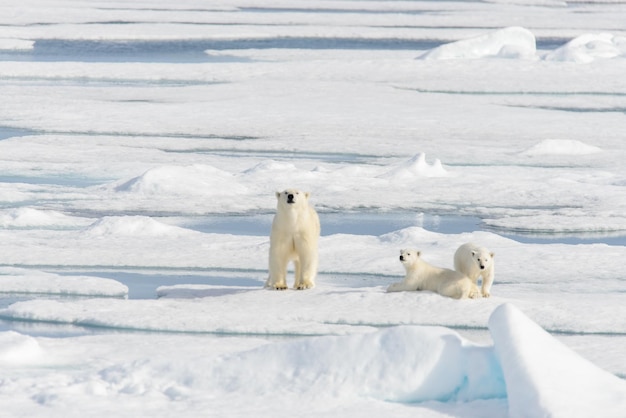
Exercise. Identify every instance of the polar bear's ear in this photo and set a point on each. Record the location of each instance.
(492, 255)
(278, 195)
(473, 253)
(307, 194)
(418, 253)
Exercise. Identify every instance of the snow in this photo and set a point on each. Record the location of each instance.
(133, 226)
(590, 47)
(17, 280)
(543, 377)
(141, 145)
(561, 147)
(513, 42)
(415, 167)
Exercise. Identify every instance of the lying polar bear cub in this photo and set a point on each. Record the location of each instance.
(423, 276)
(474, 261)
(294, 236)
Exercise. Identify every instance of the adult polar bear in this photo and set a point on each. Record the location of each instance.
(423, 276)
(294, 236)
(474, 261)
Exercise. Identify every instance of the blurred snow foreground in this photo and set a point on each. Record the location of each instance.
(537, 374)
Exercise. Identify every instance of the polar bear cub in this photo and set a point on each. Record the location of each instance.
(423, 276)
(294, 236)
(474, 261)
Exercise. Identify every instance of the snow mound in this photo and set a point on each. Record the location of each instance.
(546, 378)
(512, 42)
(140, 226)
(415, 167)
(589, 47)
(561, 147)
(400, 364)
(29, 217)
(17, 349)
(14, 280)
(271, 166)
(536, 373)
(195, 180)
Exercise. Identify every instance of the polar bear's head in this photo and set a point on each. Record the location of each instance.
(294, 197)
(483, 258)
(408, 257)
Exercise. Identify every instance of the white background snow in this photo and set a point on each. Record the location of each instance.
(142, 142)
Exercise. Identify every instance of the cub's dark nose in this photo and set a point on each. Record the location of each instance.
(482, 267)
(401, 258)
(290, 198)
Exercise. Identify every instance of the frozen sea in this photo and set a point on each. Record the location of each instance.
(142, 143)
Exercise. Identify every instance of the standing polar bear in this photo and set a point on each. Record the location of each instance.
(294, 236)
(474, 261)
(423, 276)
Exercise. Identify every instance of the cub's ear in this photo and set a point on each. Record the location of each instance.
(419, 253)
(473, 253)
(492, 255)
(278, 195)
(307, 194)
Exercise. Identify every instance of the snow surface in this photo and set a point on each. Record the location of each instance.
(129, 130)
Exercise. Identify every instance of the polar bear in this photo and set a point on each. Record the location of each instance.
(474, 261)
(423, 276)
(294, 236)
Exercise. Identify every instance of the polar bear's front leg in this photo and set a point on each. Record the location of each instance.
(402, 286)
(278, 271)
(473, 291)
(298, 273)
(487, 282)
(306, 270)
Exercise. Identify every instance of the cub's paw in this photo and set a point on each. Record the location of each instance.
(486, 294)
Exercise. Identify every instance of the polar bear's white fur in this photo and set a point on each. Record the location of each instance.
(294, 236)
(423, 276)
(475, 261)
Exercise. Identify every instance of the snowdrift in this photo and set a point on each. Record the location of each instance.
(520, 43)
(185, 180)
(36, 218)
(545, 378)
(415, 167)
(561, 147)
(17, 349)
(538, 375)
(513, 42)
(133, 226)
(17, 280)
(589, 47)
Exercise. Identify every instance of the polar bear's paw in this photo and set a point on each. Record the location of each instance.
(486, 293)
(305, 285)
(276, 286)
(473, 294)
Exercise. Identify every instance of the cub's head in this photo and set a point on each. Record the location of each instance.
(483, 258)
(408, 257)
(292, 198)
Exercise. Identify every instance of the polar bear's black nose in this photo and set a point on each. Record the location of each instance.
(482, 267)
(401, 258)
(290, 198)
